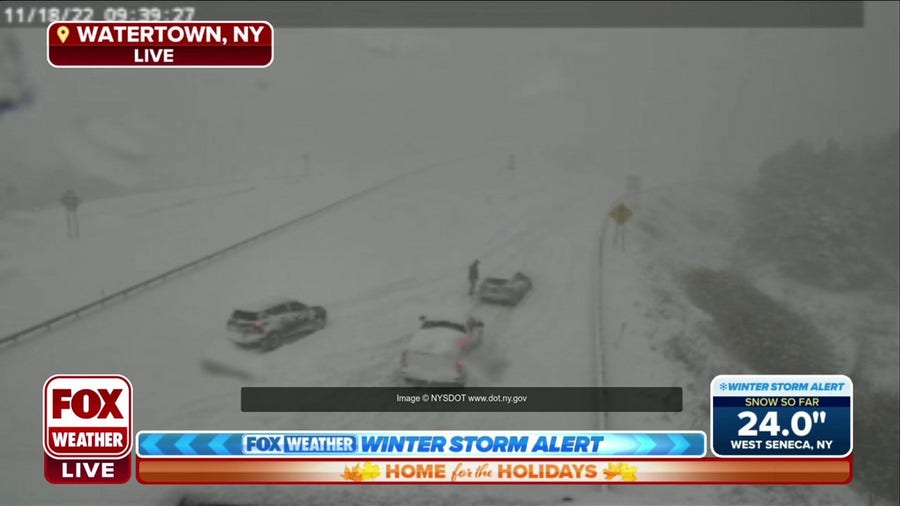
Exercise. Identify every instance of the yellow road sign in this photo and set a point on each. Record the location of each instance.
(620, 213)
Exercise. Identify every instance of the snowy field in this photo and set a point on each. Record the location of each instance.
(649, 320)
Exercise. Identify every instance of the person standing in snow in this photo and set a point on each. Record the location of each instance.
(473, 277)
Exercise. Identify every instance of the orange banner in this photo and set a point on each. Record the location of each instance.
(495, 471)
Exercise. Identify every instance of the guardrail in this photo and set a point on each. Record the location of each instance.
(599, 355)
(600, 358)
(76, 313)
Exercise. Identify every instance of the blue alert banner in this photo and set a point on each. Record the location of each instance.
(781, 416)
(421, 444)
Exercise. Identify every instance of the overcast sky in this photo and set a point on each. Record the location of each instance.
(682, 101)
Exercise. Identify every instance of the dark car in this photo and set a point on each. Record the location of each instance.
(267, 323)
(505, 291)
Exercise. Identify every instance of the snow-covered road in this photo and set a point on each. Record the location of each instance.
(376, 264)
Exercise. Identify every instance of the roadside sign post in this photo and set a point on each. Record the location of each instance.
(620, 214)
(71, 201)
(632, 189)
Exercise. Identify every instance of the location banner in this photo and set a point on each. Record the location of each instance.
(219, 44)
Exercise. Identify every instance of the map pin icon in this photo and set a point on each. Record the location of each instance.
(63, 33)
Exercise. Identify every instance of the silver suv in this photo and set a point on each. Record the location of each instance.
(267, 323)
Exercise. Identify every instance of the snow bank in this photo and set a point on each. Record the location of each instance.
(654, 336)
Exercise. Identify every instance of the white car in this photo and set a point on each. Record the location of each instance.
(434, 354)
